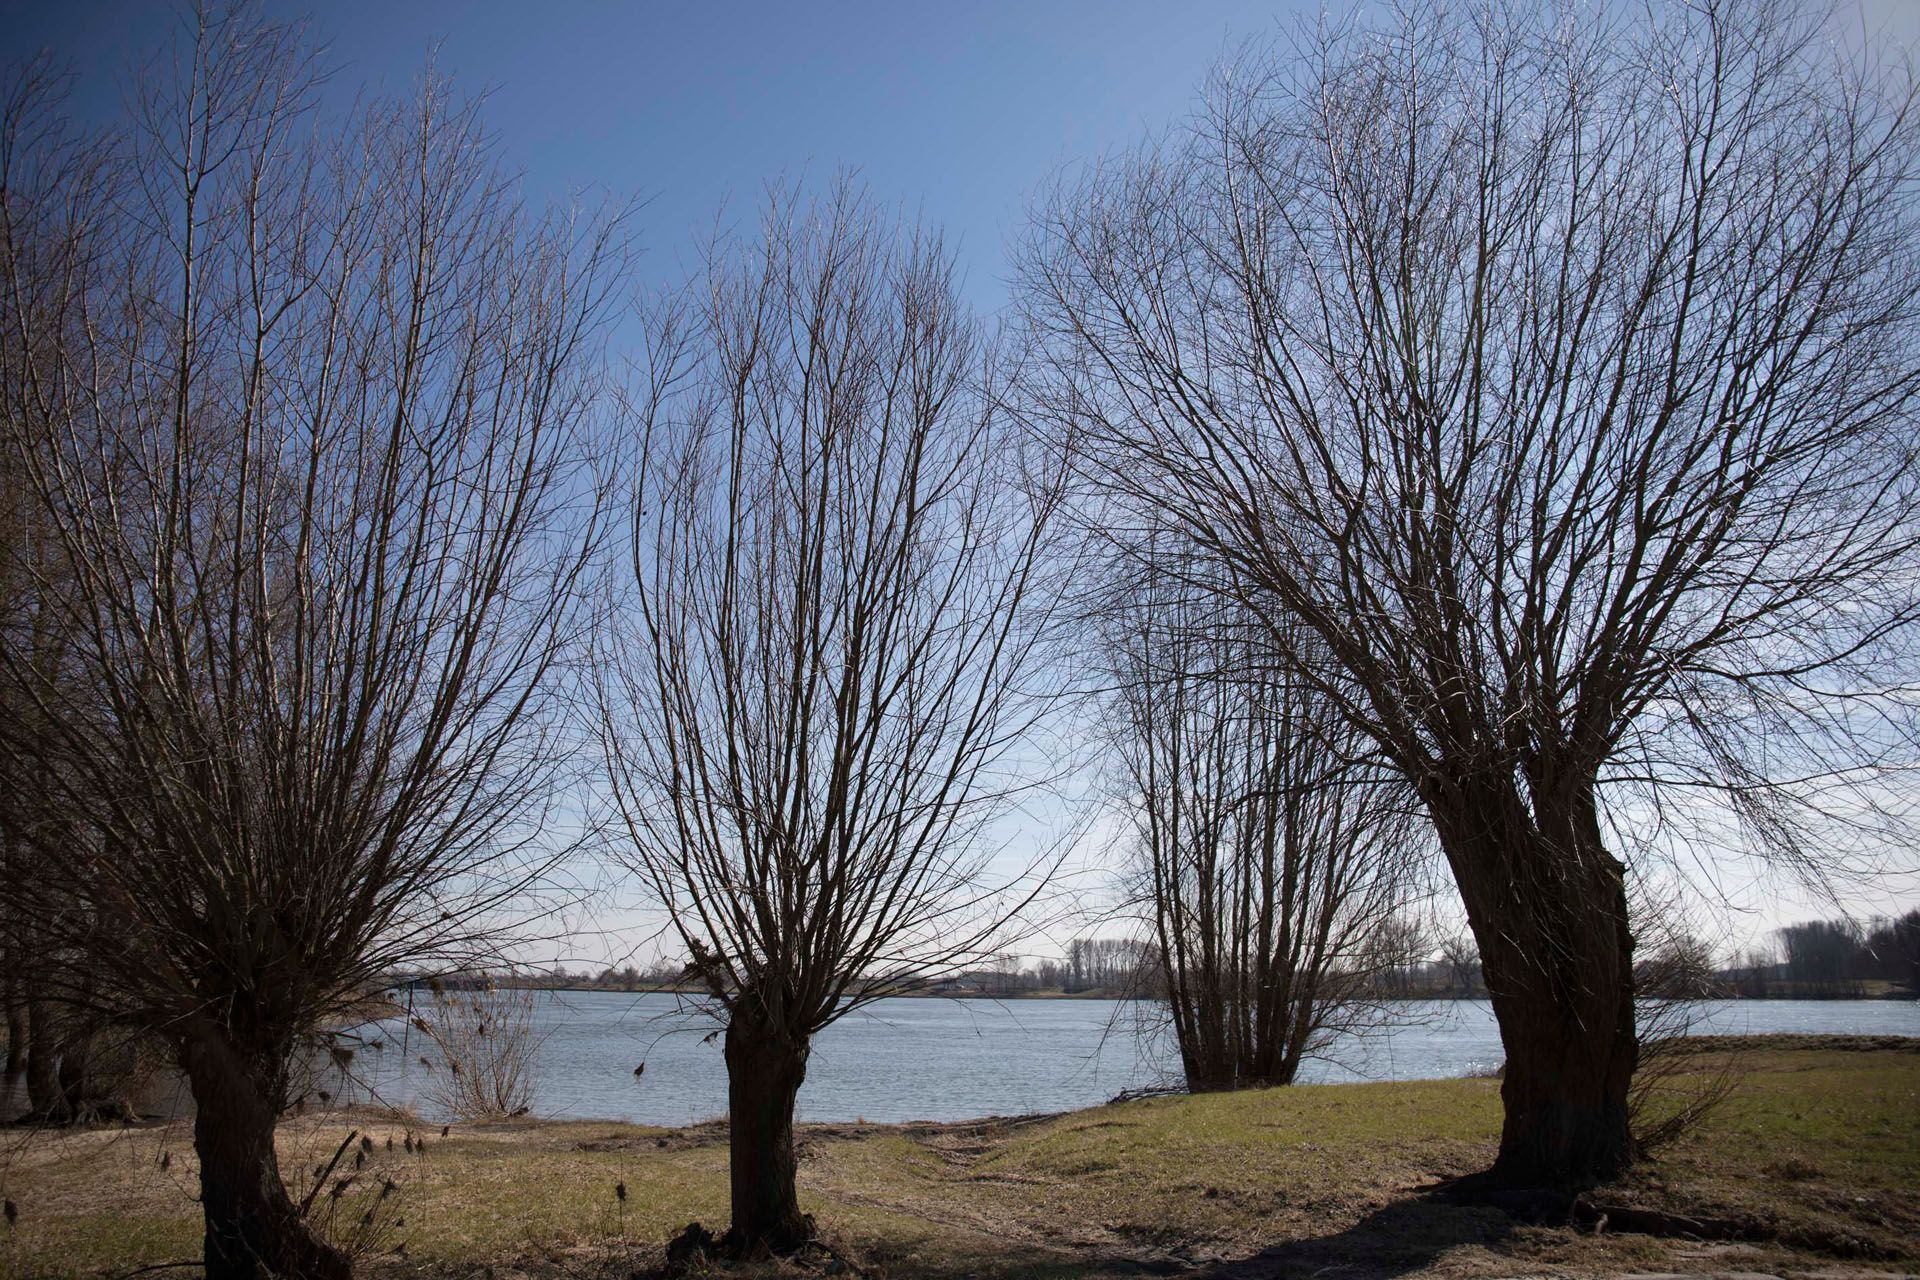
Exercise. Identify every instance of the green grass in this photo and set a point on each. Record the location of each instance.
(1823, 1142)
(1815, 1139)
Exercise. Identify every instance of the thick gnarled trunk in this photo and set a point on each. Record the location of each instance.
(765, 1069)
(1548, 907)
(253, 1229)
(1569, 1065)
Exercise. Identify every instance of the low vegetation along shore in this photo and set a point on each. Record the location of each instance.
(1807, 1169)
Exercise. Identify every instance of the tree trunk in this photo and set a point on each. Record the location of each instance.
(16, 1067)
(44, 1099)
(253, 1230)
(1548, 906)
(75, 1073)
(764, 1072)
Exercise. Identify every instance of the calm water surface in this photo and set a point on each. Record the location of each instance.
(928, 1059)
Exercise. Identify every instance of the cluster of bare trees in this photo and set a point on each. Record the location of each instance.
(1821, 959)
(1110, 964)
(1275, 846)
(302, 533)
(1488, 433)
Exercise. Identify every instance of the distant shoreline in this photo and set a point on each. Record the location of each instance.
(1887, 994)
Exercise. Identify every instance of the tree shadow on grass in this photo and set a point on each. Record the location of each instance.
(1394, 1240)
(1015, 1261)
(1397, 1239)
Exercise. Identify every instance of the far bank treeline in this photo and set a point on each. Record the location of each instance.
(1839, 959)
(1471, 451)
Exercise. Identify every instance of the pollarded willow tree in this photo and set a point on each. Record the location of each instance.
(297, 402)
(1273, 841)
(833, 651)
(1560, 377)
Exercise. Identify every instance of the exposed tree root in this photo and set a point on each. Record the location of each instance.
(696, 1247)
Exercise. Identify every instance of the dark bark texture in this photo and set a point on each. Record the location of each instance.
(253, 1229)
(45, 1100)
(765, 1068)
(1548, 907)
(16, 1068)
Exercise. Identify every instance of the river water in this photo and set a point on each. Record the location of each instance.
(942, 1059)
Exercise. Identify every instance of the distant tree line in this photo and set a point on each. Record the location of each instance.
(1820, 959)
(1828, 959)
(1411, 962)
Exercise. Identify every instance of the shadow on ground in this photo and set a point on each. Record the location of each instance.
(1398, 1239)
(1394, 1240)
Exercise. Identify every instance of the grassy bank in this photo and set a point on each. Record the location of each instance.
(1820, 1146)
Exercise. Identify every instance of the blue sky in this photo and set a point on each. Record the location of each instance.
(951, 110)
(957, 111)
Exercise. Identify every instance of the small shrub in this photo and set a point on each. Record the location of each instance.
(352, 1205)
(1674, 1091)
(487, 1047)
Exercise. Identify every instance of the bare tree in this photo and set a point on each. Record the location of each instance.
(1275, 843)
(1461, 957)
(298, 401)
(488, 1044)
(834, 657)
(1757, 973)
(34, 827)
(1678, 967)
(75, 1065)
(1560, 378)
